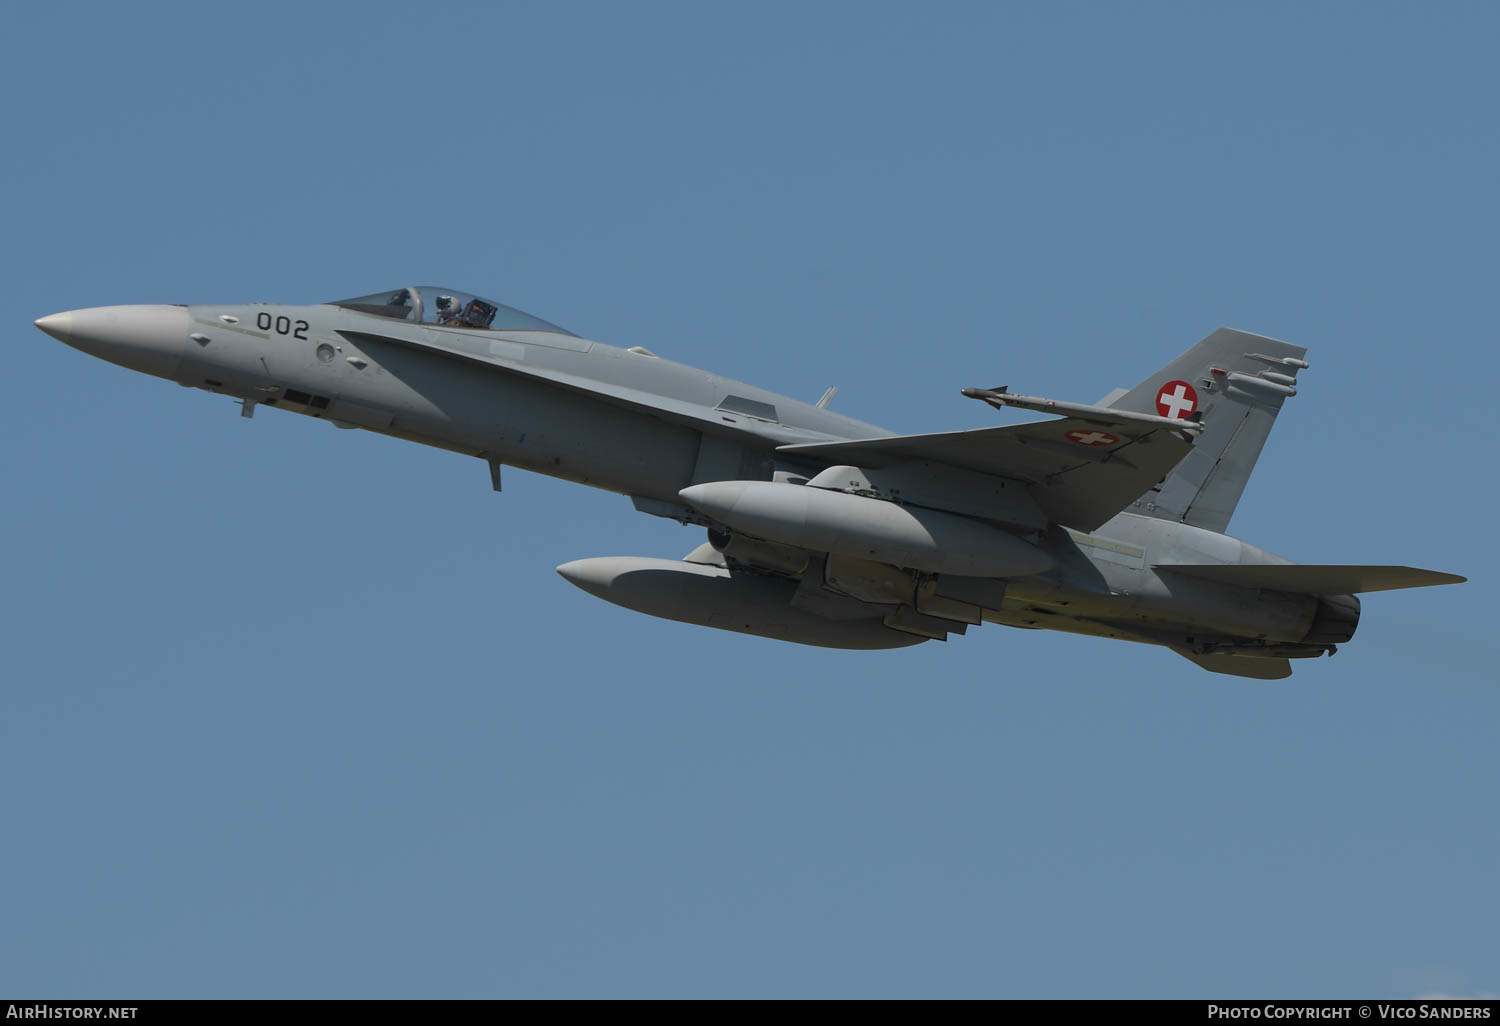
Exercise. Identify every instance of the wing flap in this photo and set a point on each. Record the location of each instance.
(1081, 472)
(1315, 579)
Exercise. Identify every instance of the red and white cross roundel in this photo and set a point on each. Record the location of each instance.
(1176, 400)
(1091, 438)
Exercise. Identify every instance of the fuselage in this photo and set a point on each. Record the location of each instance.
(473, 406)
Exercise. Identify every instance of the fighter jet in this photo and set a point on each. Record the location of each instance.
(1106, 519)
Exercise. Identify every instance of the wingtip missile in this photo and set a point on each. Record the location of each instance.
(1001, 397)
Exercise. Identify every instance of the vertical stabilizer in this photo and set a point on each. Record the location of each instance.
(1238, 381)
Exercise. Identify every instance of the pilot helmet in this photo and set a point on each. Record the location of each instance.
(447, 304)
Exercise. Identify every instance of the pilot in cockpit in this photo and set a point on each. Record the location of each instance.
(448, 310)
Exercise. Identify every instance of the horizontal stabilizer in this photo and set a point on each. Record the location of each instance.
(1313, 579)
(1240, 666)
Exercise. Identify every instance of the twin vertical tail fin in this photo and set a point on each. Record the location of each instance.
(1237, 381)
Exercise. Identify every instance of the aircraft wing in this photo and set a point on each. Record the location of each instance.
(1081, 472)
(1307, 579)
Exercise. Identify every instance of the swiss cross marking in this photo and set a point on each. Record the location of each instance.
(1091, 438)
(1176, 400)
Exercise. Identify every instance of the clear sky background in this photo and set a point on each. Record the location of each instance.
(290, 711)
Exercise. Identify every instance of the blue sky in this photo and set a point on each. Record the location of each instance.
(298, 712)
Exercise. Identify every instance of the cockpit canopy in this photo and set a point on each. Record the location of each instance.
(428, 304)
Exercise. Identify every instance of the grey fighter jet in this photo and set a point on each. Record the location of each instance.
(1105, 519)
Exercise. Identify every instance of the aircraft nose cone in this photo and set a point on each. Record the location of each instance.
(57, 325)
(150, 339)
